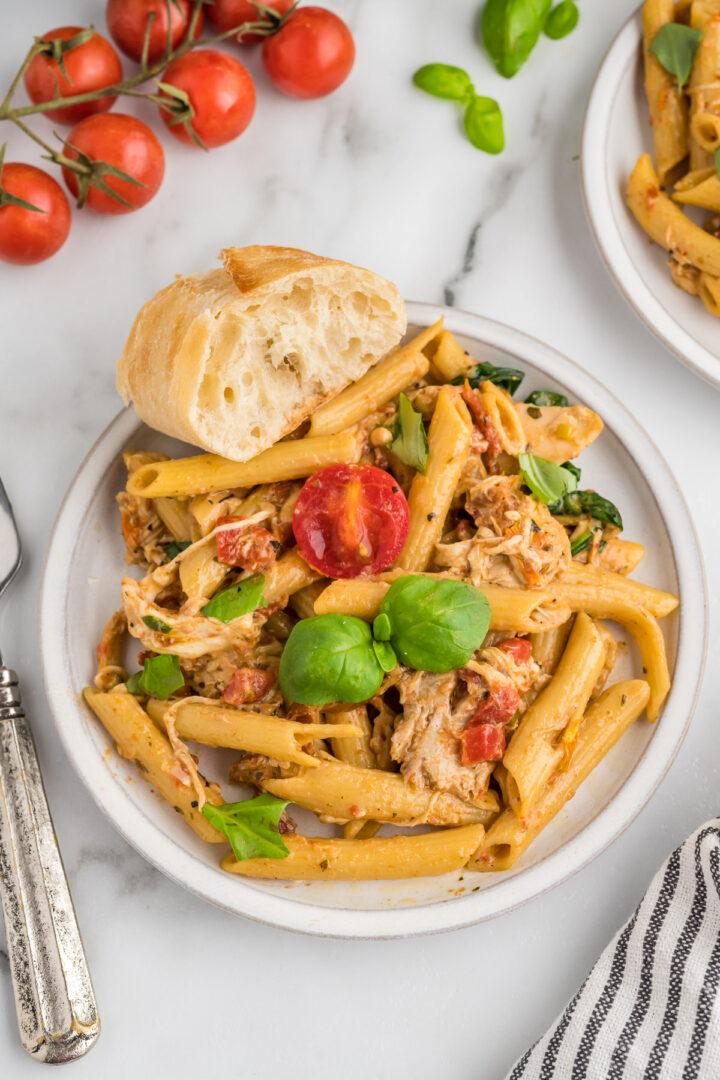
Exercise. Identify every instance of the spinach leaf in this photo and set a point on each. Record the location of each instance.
(329, 658)
(507, 378)
(588, 502)
(562, 20)
(510, 31)
(580, 543)
(483, 123)
(157, 624)
(434, 624)
(574, 469)
(675, 46)
(409, 441)
(251, 826)
(239, 599)
(547, 481)
(445, 81)
(160, 677)
(545, 397)
(173, 550)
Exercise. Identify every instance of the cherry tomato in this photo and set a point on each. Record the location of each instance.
(90, 66)
(351, 520)
(227, 14)
(220, 91)
(483, 742)
(127, 23)
(27, 236)
(310, 55)
(126, 143)
(519, 648)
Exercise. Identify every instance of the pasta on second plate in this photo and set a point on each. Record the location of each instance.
(395, 617)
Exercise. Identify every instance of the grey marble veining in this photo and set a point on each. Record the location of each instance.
(379, 174)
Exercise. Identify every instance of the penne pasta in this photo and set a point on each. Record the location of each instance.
(619, 556)
(380, 858)
(668, 107)
(704, 87)
(704, 191)
(594, 590)
(355, 751)
(450, 359)
(200, 572)
(288, 575)
(504, 416)
(176, 516)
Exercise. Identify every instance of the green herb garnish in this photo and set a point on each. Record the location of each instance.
(576, 503)
(580, 543)
(160, 677)
(562, 20)
(510, 31)
(409, 441)
(483, 122)
(251, 826)
(173, 550)
(329, 658)
(507, 378)
(433, 625)
(543, 398)
(572, 468)
(239, 599)
(547, 481)
(675, 46)
(157, 624)
(445, 81)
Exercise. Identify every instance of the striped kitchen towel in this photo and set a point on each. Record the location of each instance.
(649, 1009)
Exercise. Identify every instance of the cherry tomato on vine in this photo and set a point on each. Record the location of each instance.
(310, 55)
(220, 91)
(129, 145)
(227, 14)
(127, 23)
(90, 66)
(27, 236)
(351, 520)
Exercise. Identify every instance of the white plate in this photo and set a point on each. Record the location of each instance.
(81, 588)
(616, 132)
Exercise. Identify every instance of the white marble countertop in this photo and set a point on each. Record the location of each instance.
(380, 175)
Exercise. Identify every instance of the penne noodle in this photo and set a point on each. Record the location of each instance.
(592, 589)
(709, 293)
(289, 460)
(705, 193)
(380, 384)
(138, 738)
(287, 576)
(450, 359)
(704, 86)
(504, 416)
(355, 751)
(200, 572)
(176, 516)
(668, 106)
(605, 721)
(380, 858)
(619, 556)
(549, 645)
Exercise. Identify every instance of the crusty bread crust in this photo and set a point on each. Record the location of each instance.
(233, 359)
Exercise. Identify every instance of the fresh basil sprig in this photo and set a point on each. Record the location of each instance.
(433, 625)
(483, 118)
(545, 397)
(510, 31)
(239, 599)
(507, 378)
(547, 481)
(575, 503)
(675, 46)
(329, 658)
(409, 441)
(251, 826)
(160, 677)
(157, 624)
(562, 20)
(173, 549)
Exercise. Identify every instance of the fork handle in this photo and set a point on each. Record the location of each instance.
(56, 1008)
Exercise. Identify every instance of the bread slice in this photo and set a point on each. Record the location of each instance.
(233, 359)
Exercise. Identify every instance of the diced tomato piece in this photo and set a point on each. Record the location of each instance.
(519, 648)
(483, 742)
(481, 418)
(248, 684)
(499, 707)
(252, 548)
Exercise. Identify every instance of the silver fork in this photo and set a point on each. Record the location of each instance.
(56, 1009)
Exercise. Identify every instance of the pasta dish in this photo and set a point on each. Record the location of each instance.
(395, 615)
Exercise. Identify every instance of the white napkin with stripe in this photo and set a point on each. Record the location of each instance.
(649, 1009)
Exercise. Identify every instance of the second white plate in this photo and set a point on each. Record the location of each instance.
(616, 133)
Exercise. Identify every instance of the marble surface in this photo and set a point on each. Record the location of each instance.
(378, 174)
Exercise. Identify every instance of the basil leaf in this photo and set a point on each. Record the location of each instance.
(329, 658)
(385, 655)
(160, 677)
(239, 599)
(173, 550)
(507, 378)
(436, 624)
(545, 397)
(588, 502)
(582, 542)
(562, 20)
(157, 624)
(251, 826)
(675, 46)
(409, 441)
(445, 81)
(483, 122)
(547, 481)
(510, 31)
